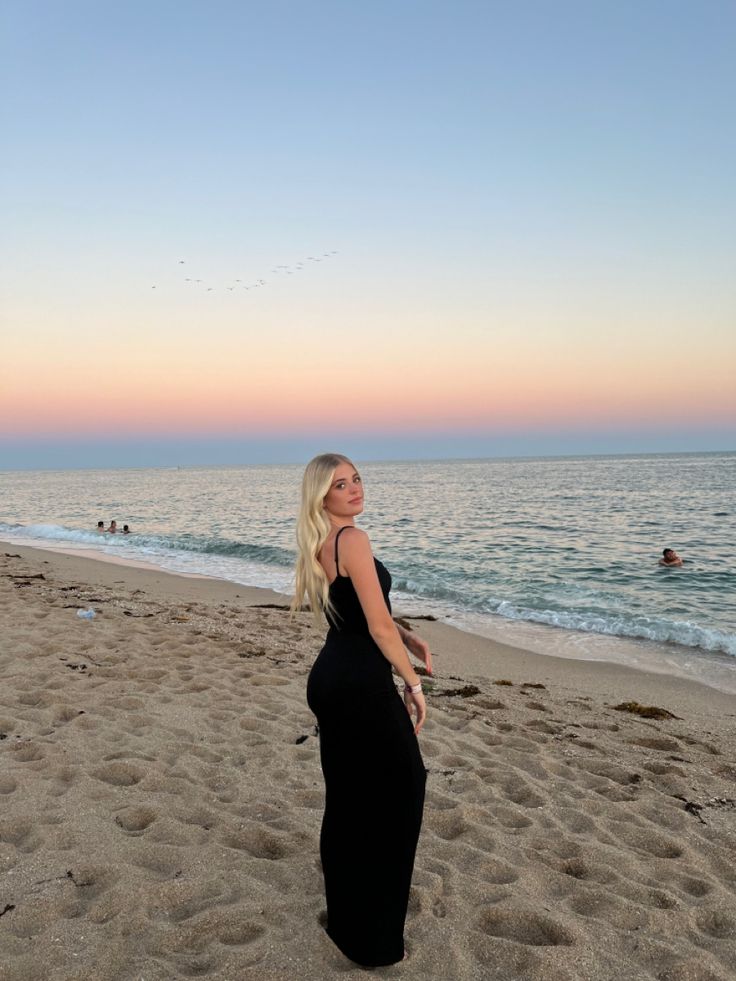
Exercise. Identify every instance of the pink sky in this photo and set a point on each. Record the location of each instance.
(227, 400)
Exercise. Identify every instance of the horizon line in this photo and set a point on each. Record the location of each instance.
(380, 460)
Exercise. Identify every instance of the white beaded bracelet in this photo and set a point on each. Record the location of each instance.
(413, 689)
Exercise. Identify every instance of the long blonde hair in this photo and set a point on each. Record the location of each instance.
(312, 531)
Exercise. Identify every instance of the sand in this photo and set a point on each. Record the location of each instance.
(161, 798)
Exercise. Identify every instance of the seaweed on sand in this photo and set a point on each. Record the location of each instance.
(645, 711)
(467, 691)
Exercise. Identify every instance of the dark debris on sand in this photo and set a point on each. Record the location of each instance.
(467, 691)
(645, 711)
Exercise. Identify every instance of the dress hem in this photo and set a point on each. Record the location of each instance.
(372, 962)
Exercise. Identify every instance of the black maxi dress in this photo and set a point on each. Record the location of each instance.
(374, 783)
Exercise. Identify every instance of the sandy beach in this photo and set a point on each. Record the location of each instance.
(161, 797)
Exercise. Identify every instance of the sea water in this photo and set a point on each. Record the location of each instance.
(511, 548)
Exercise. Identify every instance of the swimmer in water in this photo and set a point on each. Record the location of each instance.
(670, 557)
(100, 525)
(126, 530)
(113, 528)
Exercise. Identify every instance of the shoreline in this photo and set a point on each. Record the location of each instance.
(472, 655)
(477, 647)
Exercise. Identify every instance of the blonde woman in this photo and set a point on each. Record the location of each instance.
(373, 770)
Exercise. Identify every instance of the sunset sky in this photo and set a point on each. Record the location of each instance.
(525, 216)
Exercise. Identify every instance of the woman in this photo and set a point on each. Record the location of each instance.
(373, 770)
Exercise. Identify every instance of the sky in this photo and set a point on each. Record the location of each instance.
(465, 229)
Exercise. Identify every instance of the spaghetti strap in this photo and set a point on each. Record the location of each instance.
(337, 538)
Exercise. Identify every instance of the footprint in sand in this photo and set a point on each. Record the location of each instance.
(610, 771)
(447, 824)
(524, 928)
(64, 775)
(578, 868)
(695, 887)
(136, 819)
(439, 909)
(511, 819)
(27, 753)
(189, 944)
(643, 839)
(541, 725)
(598, 904)
(663, 745)
(198, 818)
(21, 833)
(495, 871)
(119, 774)
(180, 900)
(43, 915)
(165, 860)
(92, 879)
(691, 969)
(65, 713)
(519, 792)
(537, 706)
(717, 924)
(260, 843)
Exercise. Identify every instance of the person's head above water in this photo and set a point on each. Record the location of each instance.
(100, 525)
(126, 530)
(670, 557)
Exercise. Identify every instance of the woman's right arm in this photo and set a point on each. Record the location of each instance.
(356, 558)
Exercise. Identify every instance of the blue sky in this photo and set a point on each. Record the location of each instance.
(532, 181)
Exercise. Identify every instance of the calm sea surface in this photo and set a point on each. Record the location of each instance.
(495, 545)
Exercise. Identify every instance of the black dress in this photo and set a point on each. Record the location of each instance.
(374, 784)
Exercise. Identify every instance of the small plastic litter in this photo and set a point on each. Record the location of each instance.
(86, 614)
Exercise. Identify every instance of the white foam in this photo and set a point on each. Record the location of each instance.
(645, 628)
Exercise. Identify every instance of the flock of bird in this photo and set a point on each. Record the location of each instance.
(240, 284)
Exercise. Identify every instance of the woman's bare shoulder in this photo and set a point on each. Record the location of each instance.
(354, 541)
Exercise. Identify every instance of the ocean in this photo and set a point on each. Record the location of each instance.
(556, 554)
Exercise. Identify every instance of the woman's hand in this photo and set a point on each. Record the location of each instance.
(419, 648)
(419, 706)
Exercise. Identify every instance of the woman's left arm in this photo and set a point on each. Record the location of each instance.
(416, 646)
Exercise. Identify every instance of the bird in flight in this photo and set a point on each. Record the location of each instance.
(276, 270)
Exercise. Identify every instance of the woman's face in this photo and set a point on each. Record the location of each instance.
(344, 499)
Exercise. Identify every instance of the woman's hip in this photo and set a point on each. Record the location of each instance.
(349, 670)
